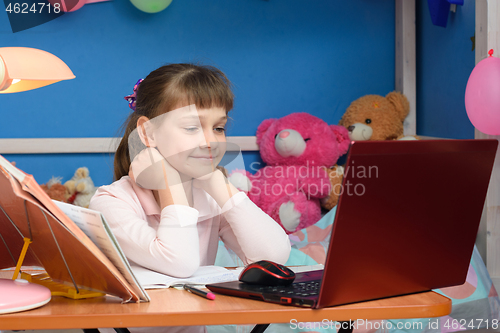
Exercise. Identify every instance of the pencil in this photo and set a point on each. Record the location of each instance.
(208, 295)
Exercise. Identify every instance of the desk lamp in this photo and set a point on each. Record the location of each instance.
(21, 69)
(24, 68)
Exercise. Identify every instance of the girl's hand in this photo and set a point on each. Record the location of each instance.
(211, 181)
(217, 186)
(150, 170)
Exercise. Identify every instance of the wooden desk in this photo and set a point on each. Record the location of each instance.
(171, 307)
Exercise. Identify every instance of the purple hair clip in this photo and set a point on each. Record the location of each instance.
(132, 98)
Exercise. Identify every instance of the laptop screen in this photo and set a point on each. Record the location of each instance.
(407, 217)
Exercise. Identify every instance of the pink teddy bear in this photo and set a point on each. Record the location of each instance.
(297, 150)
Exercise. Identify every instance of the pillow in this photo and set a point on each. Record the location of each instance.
(309, 245)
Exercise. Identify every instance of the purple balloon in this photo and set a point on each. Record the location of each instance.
(482, 96)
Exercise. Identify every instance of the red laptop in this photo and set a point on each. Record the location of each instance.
(406, 222)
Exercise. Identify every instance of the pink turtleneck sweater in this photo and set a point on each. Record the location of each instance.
(179, 239)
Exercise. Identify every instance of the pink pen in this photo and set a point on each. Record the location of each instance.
(208, 295)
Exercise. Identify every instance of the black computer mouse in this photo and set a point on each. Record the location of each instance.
(267, 273)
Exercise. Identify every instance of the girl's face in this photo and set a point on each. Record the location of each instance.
(192, 140)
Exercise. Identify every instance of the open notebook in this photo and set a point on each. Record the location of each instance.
(59, 245)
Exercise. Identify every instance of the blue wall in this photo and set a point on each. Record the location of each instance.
(444, 62)
(282, 56)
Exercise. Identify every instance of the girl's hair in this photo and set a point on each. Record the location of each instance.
(168, 88)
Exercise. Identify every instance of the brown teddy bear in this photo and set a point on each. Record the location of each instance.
(371, 117)
(374, 117)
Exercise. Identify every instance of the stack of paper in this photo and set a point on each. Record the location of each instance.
(204, 275)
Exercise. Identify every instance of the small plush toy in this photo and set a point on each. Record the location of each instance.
(80, 188)
(55, 189)
(298, 149)
(374, 117)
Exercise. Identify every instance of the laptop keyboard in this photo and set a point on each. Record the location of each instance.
(299, 289)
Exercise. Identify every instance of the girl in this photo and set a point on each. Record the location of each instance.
(169, 204)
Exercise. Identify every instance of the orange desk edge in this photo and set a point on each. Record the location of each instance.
(171, 307)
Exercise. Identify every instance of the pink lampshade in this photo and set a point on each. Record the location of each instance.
(24, 68)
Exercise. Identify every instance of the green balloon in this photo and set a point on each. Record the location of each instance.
(151, 6)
